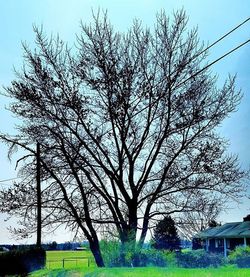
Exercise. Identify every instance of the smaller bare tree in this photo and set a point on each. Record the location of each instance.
(194, 221)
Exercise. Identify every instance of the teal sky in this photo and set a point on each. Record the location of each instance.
(213, 18)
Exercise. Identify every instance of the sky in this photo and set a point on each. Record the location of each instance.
(213, 18)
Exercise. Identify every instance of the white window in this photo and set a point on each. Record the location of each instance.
(218, 243)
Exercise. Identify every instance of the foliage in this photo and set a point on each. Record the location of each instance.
(166, 235)
(213, 223)
(240, 256)
(247, 218)
(134, 257)
(67, 245)
(110, 250)
(171, 258)
(196, 243)
(22, 261)
(150, 257)
(52, 245)
(199, 258)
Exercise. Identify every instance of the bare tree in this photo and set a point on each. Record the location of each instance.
(207, 211)
(127, 127)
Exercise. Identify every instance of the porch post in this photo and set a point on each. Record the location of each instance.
(225, 247)
(207, 244)
(245, 242)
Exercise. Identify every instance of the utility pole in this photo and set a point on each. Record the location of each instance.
(38, 182)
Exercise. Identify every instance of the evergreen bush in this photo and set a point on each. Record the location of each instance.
(240, 256)
(199, 259)
(166, 235)
(22, 262)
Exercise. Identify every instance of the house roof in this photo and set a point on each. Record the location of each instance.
(228, 230)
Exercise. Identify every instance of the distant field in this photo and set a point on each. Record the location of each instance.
(146, 272)
(69, 259)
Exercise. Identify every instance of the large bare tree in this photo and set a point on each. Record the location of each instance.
(126, 123)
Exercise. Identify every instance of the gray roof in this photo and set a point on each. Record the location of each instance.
(228, 230)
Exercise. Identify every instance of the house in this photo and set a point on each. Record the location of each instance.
(80, 248)
(224, 238)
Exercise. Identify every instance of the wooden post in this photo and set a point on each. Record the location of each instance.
(38, 183)
(225, 247)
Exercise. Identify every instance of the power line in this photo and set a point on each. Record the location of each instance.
(215, 61)
(11, 179)
(218, 40)
(227, 34)
(195, 74)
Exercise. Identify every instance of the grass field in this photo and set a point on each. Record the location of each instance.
(80, 268)
(68, 259)
(145, 272)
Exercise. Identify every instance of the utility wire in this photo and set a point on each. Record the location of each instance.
(227, 34)
(214, 43)
(218, 40)
(5, 184)
(198, 72)
(6, 180)
(215, 61)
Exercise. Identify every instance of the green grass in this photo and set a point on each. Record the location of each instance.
(54, 259)
(62, 272)
(54, 269)
(146, 272)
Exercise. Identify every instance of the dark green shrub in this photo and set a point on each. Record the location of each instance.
(139, 259)
(243, 262)
(196, 244)
(21, 261)
(199, 259)
(150, 257)
(133, 256)
(171, 258)
(110, 250)
(240, 256)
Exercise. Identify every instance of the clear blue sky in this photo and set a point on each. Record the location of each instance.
(213, 18)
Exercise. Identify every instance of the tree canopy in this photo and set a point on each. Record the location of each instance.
(166, 235)
(126, 123)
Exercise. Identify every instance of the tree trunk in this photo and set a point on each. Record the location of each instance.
(133, 221)
(128, 237)
(143, 232)
(95, 249)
